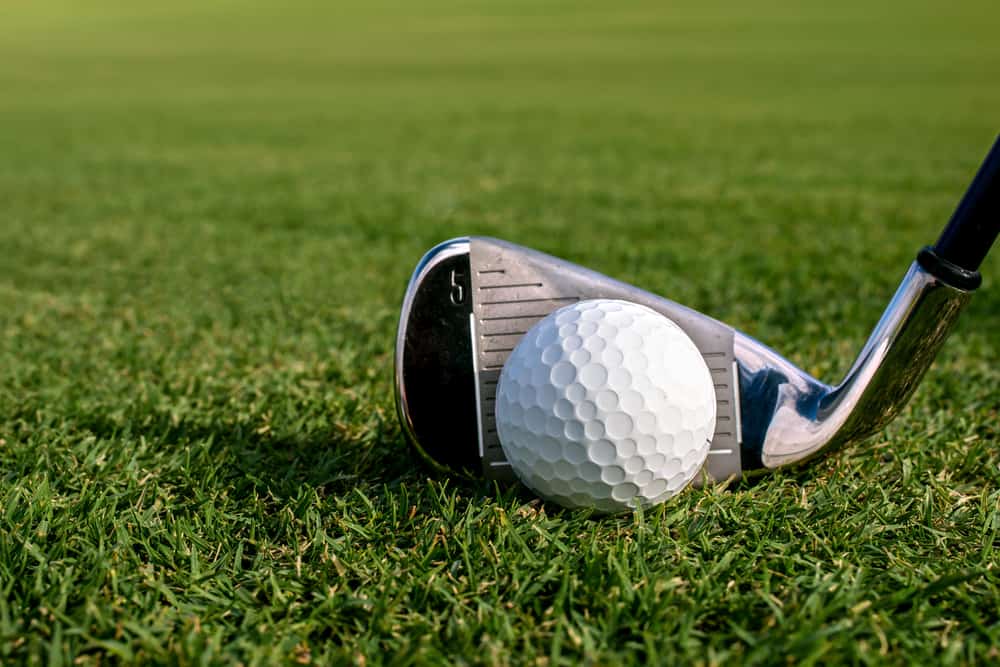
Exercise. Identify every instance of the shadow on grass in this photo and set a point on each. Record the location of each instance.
(279, 463)
(330, 461)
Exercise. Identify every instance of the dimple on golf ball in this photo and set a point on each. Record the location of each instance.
(605, 404)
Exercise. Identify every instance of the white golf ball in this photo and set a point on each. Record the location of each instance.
(605, 404)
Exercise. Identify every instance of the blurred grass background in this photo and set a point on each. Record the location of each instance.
(208, 214)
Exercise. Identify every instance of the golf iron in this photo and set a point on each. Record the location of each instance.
(470, 300)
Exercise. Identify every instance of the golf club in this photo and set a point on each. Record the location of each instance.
(471, 299)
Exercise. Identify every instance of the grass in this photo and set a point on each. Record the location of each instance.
(209, 213)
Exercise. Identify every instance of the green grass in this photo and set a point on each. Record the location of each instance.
(208, 213)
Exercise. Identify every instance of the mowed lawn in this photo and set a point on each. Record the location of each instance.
(208, 215)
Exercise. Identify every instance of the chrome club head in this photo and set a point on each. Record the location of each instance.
(469, 302)
(471, 299)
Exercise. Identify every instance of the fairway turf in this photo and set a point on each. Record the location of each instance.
(208, 215)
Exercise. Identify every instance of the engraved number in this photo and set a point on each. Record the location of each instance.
(457, 289)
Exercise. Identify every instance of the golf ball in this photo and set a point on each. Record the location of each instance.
(605, 404)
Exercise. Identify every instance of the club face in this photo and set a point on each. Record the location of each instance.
(468, 304)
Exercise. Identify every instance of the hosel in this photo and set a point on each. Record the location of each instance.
(887, 371)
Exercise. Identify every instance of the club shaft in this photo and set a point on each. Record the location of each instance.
(974, 226)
